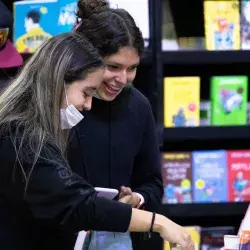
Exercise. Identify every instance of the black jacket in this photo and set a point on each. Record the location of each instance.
(58, 203)
(116, 144)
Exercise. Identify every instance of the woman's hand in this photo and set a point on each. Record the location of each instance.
(127, 196)
(172, 232)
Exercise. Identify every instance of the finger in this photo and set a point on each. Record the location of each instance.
(126, 199)
(126, 190)
(187, 242)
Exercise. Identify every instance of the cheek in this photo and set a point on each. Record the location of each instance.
(131, 76)
(108, 75)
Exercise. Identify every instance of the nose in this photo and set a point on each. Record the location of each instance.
(122, 77)
(87, 104)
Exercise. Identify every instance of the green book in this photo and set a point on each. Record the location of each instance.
(229, 100)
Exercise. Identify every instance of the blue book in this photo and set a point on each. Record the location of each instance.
(210, 176)
(67, 15)
(34, 23)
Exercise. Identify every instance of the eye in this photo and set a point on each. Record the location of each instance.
(133, 68)
(112, 67)
(85, 94)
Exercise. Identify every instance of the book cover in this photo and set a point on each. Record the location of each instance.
(239, 175)
(245, 24)
(34, 23)
(244, 240)
(181, 101)
(229, 100)
(210, 176)
(67, 15)
(177, 177)
(222, 25)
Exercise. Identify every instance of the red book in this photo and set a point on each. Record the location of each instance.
(239, 175)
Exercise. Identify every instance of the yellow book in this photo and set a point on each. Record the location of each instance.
(194, 232)
(181, 101)
(222, 25)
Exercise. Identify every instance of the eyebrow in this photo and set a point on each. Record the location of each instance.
(118, 64)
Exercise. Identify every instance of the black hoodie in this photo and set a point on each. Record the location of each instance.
(116, 144)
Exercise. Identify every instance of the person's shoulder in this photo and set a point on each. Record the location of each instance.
(138, 98)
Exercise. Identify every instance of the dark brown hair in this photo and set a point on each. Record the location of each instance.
(108, 29)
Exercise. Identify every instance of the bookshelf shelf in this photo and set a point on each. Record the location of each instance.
(205, 210)
(206, 57)
(207, 133)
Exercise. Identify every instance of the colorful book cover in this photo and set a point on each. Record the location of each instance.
(245, 24)
(244, 240)
(229, 100)
(222, 25)
(212, 238)
(67, 15)
(34, 23)
(210, 176)
(177, 177)
(181, 101)
(239, 175)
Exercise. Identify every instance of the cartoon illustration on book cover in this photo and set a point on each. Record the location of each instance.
(222, 25)
(35, 22)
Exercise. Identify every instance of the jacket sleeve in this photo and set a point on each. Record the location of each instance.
(147, 176)
(57, 196)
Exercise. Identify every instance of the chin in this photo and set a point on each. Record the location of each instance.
(106, 97)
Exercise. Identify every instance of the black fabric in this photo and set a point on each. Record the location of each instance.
(58, 203)
(116, 144)
(6, 19)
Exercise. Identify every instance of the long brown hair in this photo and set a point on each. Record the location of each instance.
(30, 106)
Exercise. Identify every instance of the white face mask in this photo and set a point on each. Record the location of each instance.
(95, 95)
(70, 116)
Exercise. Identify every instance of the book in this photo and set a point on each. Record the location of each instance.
(222, 25)
(66, 15)
(34, 23)
(210, 176)
(229, 100)
(181, 101)
(245, 24)
(177, 177)
(239, 175)
(244, 240)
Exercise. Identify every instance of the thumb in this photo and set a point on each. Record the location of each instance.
(125, 199)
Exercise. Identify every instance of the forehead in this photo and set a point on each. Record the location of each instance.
(126, 56)
(94, 79)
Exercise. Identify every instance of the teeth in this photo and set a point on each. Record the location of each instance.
(114, 88)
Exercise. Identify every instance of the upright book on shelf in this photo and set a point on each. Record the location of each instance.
(229, 100)
(222, 25)
(181, 101)
(34, 23)
(177, 177)
(210, 176)
(239, 175)
(245, 24)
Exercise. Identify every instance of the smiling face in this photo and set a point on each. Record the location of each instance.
(80, 93)
(119, 72)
